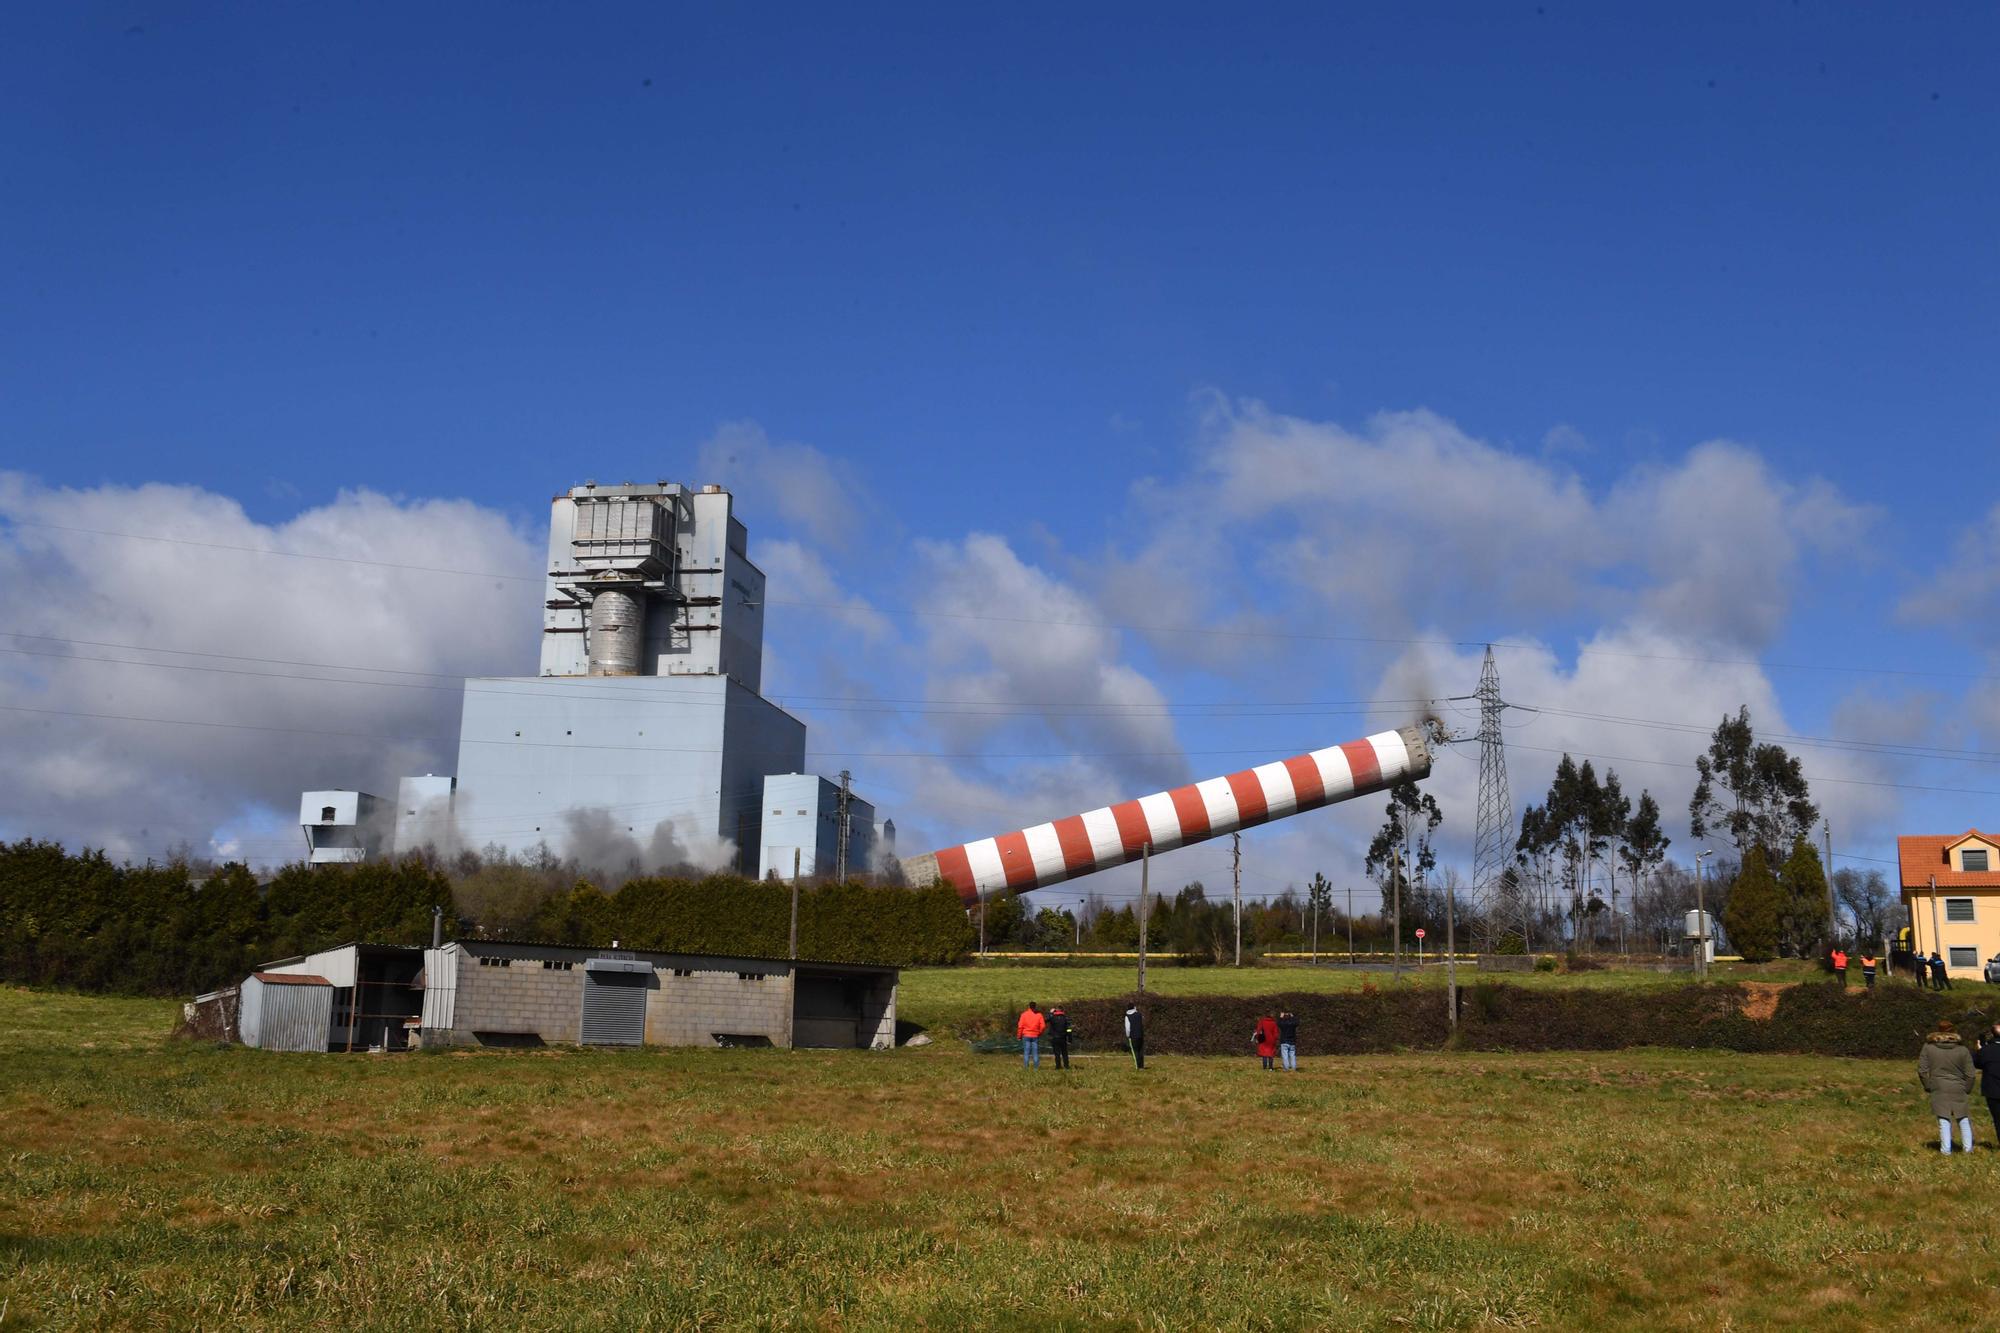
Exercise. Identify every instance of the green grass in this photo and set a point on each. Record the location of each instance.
(945, 999)
(163, 1184)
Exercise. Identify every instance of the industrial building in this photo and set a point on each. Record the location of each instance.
(813, 828)
(376, 997)
(646, 724)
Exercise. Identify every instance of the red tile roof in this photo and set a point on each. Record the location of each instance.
(1925, 855)
(290, 979)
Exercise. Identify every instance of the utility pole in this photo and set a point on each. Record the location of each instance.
(1315, 936)
(1236, 888)
(1350, 925)
(1145, 869)
(1832, 912)
(1701, 918)
(795, 903)
(982, 925)
(1936, 934)
(840, 834)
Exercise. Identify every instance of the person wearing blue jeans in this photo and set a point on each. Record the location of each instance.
(1030, 1030)
(1948, 1074)
(1288, 1038)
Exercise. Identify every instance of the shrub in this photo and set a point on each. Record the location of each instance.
(1545, 964)
(1754, 914)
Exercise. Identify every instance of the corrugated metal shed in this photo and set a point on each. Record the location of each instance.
(286, 1011)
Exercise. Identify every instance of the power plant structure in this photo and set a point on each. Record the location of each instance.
(646, 726)
(646, 735)
(1113, 835)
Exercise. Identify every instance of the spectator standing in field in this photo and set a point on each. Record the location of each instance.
(1940, 980)
(1987, 1060)
(1840, 967)
(1868, 970)
(1030, 1030)
(1266, 1037)
(1059, 1035)
(1288, 1038)
(1945, 1069)
(1135, 1036)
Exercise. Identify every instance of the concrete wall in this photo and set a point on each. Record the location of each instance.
(715, 998)
(690, 1000)
(521, 997)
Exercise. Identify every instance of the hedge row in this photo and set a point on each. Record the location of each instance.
(850, 923)
(1810, 1019)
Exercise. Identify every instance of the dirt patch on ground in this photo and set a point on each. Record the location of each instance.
(1760, 999)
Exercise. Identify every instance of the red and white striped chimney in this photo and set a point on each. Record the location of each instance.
(1050, 853)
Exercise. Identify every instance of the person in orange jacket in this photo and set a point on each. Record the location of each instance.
(1840, 965)
(1030, 1030)
(1266, 1037)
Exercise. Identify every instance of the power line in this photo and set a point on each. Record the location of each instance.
(1206, 630)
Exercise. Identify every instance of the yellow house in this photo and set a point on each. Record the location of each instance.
(1951, 891)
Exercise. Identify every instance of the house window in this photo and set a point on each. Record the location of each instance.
(1971, 859)
(1963, 957)
(326, 814)
(1958, 909)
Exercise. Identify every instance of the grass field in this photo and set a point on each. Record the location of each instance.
(164, 1184)
(946, 998)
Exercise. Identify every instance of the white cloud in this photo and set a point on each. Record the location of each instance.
(244, 734)
(1412, 520)
(787, 481)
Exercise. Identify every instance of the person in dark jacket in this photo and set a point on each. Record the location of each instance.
(1058, 1034)
(1288, 1039)
(1940, 980)
(1987, 1061)
(1135, 1036)
(1945, 1070)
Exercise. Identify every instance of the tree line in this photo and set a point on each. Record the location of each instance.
(80, 920)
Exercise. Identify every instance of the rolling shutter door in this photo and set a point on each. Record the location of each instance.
(614, 1007)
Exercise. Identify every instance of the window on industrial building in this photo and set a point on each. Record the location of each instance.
(751, 976)
(556, 965)
(683, 972)
(488, 960)
(1962, 957)
(1969, 859)
(1958, 909)
(326, 814)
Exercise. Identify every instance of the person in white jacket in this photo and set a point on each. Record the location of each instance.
(1135, 1035)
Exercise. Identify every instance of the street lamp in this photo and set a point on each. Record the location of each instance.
(1701, 917)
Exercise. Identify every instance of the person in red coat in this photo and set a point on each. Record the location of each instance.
(1266, 1036)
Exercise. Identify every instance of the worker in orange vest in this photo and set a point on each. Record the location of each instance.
(1840, 966)
(1030, 1030)
(1868, 970)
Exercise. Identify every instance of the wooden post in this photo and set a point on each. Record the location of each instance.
(795, 904)
(1236, 888)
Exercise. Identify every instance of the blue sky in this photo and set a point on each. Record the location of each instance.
(1051, 278)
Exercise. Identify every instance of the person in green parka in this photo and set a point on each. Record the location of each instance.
(1945, 1069)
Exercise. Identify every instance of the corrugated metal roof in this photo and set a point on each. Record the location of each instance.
(290, 979)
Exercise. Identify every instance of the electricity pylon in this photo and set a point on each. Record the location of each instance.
(1502, 898)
